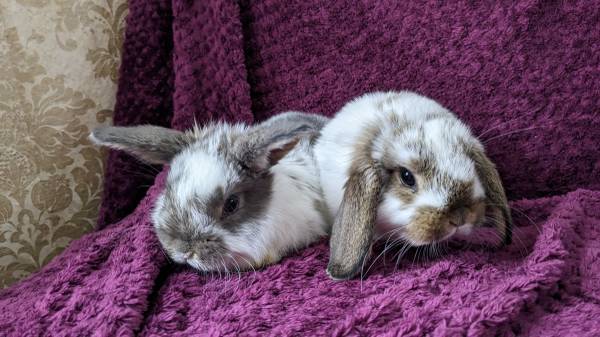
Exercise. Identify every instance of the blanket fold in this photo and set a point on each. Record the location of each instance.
(524, 75)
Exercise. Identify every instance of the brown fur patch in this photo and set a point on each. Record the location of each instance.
(352, 230)
(424, 167)
(398, 125)
(429, 224)
(353, 227)
(387, 101)
(496, 197)
(400, 191)
(432, 224)
(461, 194)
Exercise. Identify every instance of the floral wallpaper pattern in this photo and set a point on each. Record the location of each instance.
(58, 72)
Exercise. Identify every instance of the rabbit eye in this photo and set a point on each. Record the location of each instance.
(231, 205)
(407, 177)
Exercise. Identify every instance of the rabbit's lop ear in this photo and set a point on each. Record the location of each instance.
(495, 195)
(352, 232)
(153, 144)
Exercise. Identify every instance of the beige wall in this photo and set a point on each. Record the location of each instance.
(58, 73)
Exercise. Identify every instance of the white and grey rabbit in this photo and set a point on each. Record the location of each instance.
(236, 196)
(400, 164)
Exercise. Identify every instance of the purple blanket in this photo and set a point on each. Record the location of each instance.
(524, 75)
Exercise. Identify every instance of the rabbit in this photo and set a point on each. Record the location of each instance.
(400, 164)
(237, 197)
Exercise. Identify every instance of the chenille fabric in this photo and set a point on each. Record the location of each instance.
(522, 74)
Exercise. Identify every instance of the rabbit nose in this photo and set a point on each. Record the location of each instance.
(457, 217)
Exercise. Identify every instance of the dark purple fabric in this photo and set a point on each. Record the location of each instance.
(526, 77)
(144, 96)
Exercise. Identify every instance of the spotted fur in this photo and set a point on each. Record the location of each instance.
(456, 184)
(269, 168)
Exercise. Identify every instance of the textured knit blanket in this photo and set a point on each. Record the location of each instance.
(524, 75)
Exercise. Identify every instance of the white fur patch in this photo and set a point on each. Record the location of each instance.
(478, 191)
(431, 198)
(394, 212)
(465, 229)
(203, 174)
(401, 154)
(156, 212)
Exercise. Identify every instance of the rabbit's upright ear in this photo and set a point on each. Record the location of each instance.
(268, 142)
(153, 144)
(352, 232)
(494, 191)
